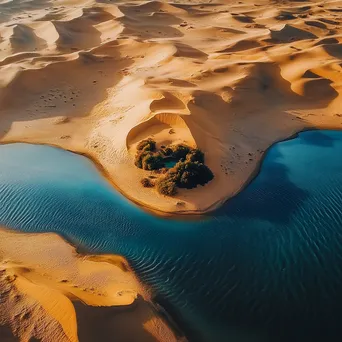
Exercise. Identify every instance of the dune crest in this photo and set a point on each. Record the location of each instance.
(50, 293)
(95, 76)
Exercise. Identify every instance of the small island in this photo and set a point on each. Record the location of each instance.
(186, 166)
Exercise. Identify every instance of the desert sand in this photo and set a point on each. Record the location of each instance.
(49, 292)
(97, 76)
(232, 77)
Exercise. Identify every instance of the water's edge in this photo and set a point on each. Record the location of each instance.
(155, 305)
(174, 259)
(173, 214)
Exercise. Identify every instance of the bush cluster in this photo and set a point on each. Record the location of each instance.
(152, 161)
(190, 174)
(147, 145)
(178, 152)
(186, 174)
(166, 186)
(195, 155)
(146, 158)
(189, 171)
(147, 183)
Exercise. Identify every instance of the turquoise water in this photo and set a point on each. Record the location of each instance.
(170, 163)
(265, 267)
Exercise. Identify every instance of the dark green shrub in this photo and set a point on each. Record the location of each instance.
(146, 145)
(167, 151)
(195, 155)
(180, 151)
(147, 183)
(166, 186)
(161, 171)
(190, 174)
(139, 158)
(152, 161)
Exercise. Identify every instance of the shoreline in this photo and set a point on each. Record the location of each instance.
(230, 84)
(181, 213)
(159, 312)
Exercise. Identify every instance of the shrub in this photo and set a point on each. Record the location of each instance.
(195, 155)
(152, 161)
(166, 186)
(167, 151)
(147, 183)
(180, 151)
(190, 174)
(161, 171)
(139, 158)
(147, 145)
(148, 160)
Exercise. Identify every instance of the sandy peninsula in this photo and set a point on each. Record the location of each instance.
(232, 77)
(49, 292)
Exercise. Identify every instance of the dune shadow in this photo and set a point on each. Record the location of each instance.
(12, 8)
(25, 39)
(115, 323)
(7, 334)
(289, 34)
(67, 87)
(334, 50)
(149, 21)
(243, 19)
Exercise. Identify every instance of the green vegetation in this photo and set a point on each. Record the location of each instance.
(189, 171)
(152, 161)
(148, 160)
(180, 151)
(195, 155)
(189, 174)
(176, 151)
(147, 183)
(166, 186)
(147, 145)
(139, 158)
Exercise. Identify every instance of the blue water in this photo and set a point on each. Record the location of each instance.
(170, 163)
(266, 267)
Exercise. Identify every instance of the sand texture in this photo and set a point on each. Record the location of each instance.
(232, 77)
(48, 292)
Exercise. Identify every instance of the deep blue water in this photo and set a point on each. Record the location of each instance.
(265, 267)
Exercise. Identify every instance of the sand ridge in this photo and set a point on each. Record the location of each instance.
(94, 77)
(49, 292)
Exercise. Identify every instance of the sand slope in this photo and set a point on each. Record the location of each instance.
(48, 292)
(96, 76)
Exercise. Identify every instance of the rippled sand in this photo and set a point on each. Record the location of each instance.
(230, 76)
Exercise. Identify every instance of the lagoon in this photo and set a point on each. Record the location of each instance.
(266, 266)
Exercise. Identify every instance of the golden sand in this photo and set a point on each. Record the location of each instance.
(49, 292)
(97, 76)
(232, 77)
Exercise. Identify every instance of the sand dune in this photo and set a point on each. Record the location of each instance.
(50, 293)
(95, 76)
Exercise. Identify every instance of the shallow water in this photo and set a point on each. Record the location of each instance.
(170, 163)
(265, 267)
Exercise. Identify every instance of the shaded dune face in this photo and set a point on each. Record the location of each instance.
(95, 76)
(156, 124)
